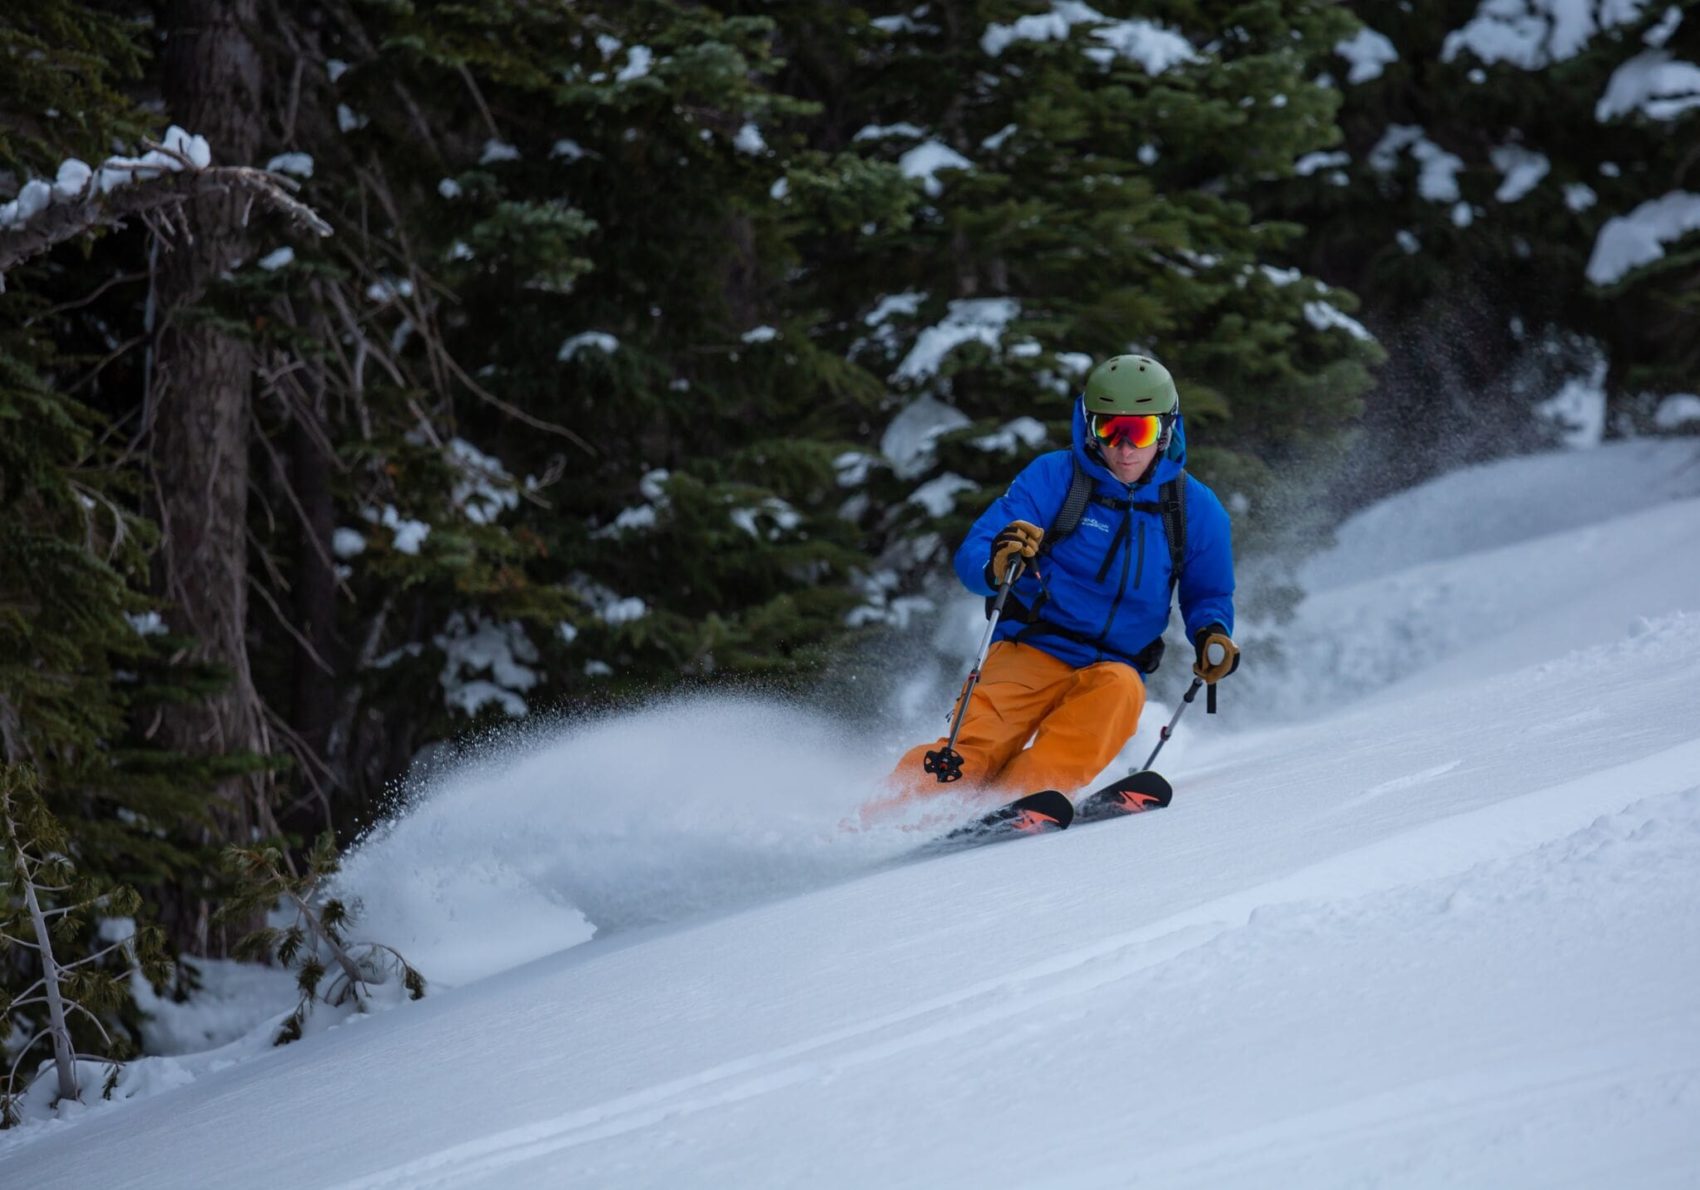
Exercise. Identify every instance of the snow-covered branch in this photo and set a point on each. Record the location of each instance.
(156, 184)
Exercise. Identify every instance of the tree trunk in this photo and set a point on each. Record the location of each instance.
(64, 1052)
(201, 385)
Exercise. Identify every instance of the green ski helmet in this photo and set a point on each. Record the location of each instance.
(1131, 384)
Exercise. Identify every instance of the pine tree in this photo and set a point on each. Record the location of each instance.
(698, 533)
(569, 462)
(1485, 159)
(66, 66)
(82, 668)
(315, 943)
(46, 916)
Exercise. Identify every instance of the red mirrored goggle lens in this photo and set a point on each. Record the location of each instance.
(1139, 430)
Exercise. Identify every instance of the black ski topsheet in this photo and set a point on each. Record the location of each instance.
(1048, 810)
(1037, 813)
(1133, 794)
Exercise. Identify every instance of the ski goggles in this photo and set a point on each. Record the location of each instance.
(1135, 429)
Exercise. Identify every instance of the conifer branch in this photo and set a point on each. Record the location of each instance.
(97, 955)
(317, 930)
(315, 922)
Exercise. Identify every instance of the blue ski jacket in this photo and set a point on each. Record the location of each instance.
(1104, 593)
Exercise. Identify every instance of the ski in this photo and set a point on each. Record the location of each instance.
(1035, 814)
(1133, 794)
(1048, 811)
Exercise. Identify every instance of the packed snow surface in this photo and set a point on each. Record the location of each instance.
(1425, 911)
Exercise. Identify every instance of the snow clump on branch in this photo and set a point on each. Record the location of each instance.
(180, 151)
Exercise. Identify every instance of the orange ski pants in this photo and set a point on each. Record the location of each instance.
(1082, 718)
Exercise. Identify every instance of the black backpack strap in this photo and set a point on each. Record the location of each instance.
(1172, 499)
(1073, 507)
(1170, 505)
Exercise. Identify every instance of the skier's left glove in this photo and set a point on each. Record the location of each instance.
(1218, 656)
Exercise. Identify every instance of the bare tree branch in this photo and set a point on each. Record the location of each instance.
(97, 955)
(259, 432)
(310, 761)
(12, 1074)
(122, 349)
(105, 1036)
(307, 645)
(55, 311)
(478, 98)
(514, 411)
(12, 747)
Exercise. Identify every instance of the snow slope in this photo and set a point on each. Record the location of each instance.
(1442, 929)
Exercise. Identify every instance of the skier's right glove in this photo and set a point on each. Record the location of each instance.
(1018, 539)
(1218, 656)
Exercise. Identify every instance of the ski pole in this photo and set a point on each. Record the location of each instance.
(1169, 727)
(946, 763)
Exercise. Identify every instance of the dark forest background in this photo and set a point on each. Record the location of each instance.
(657, 341)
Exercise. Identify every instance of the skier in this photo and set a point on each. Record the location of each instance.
(1084, 620)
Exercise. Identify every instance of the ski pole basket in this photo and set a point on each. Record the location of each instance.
(946, 763)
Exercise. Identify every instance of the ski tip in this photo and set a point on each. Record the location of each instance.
(1133, 794)
(1047, 803)
(1147, 783)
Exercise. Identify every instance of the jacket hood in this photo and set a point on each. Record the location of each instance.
(1169, 463)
